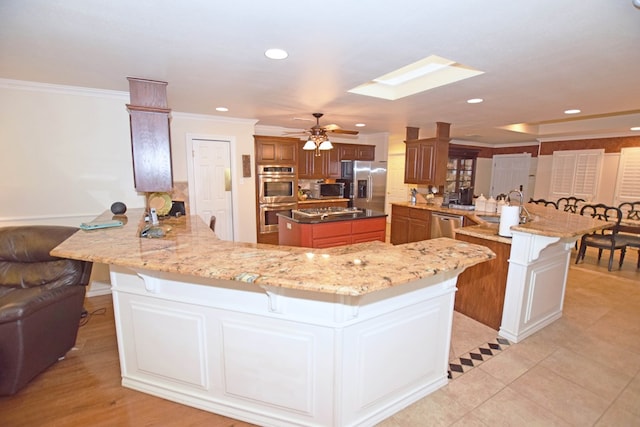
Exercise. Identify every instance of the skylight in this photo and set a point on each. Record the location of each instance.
(428, 73)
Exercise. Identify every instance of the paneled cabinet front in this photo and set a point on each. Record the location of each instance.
(357, 152)
(326, 165)
(276, 150)
(409, 225)
(151, 149)
(426, 162)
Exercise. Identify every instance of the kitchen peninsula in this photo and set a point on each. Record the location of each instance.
(521, 290)
(279, 336)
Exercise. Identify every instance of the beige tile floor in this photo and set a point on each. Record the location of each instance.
(582, 370)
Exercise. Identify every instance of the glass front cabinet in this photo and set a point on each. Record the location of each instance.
(461, 169)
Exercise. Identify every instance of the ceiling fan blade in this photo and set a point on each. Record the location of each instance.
(344, 131)
(302, 132)
(331, 127)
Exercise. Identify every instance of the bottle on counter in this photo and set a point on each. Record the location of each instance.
(499, 204)
(491, 205)
(481, 203)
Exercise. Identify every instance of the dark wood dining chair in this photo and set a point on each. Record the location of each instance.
(569, 204)
(544, 202)
(603, 239)
(212, 223)
(630, 231)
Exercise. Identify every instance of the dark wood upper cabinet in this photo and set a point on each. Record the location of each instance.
(150, 135)
(426, 159)
(326, 165)
(276, 150)
(356, 151)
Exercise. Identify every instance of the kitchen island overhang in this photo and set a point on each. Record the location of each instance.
(538, 265)
(345, 336)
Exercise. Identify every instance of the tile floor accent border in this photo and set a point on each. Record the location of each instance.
(476, 357)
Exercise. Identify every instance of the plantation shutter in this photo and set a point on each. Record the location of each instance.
(576, 173)
(628, 180)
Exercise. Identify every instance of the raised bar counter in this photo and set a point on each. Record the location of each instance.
(522, 290)
(274, 335)
(191, 248)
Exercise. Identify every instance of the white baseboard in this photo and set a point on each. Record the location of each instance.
(98, 288)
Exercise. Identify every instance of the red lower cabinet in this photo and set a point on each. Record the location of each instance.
(330, 234)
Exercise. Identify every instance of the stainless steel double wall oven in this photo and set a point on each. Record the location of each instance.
(277, 192)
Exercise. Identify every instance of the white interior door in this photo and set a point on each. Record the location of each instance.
(509, 172)
(212, 184)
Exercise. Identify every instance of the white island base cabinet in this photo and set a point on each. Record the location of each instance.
(282, 357)
(536, 283)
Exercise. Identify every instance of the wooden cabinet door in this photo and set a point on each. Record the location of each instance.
(357, 152)
(366, 152)
(276, 150)
(331, 164)
(411, 163)
(426, 162)
(399, 225)
(151, 149)
(348, 152)
(418, 230)
(305, 162)
(420, 224)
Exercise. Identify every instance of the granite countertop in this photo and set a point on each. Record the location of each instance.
(545, 221)
(349, 216)
(485, 231)
(191, 248)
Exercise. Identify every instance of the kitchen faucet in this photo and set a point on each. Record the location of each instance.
(524, 213)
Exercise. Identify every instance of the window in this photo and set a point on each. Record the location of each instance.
(628, 179)
(576, 173)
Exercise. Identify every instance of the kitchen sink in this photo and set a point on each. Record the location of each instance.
(491, 219)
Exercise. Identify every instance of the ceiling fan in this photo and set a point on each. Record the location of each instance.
(322, 130)
(318, 139)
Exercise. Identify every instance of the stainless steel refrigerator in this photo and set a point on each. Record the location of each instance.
(369, 185)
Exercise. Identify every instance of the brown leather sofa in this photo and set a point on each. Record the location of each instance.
(41, 302)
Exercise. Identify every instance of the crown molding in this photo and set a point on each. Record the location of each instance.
(62, 89)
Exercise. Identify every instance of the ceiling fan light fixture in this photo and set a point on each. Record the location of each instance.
(325, 145)
(309, 145)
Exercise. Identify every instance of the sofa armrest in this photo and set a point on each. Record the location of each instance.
(19, 303)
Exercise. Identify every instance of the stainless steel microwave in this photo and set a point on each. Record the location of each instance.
(332, 190)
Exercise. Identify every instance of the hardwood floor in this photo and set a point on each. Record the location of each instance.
(84, 389)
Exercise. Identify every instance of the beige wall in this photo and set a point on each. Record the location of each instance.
(66, 154)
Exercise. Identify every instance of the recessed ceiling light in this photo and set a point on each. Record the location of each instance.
(222, 109)
(635, 128)
(474, 100)
(573, 111)
(276, 53)
(360, 125)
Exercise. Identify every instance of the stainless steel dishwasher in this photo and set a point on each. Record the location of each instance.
(443, 225)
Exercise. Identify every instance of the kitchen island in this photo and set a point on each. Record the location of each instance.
(522, 290)
(329, 227)
(279, 336)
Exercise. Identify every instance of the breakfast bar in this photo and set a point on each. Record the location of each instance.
(523, 291)
(277, 335)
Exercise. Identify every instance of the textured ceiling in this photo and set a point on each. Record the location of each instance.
(539, 58)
